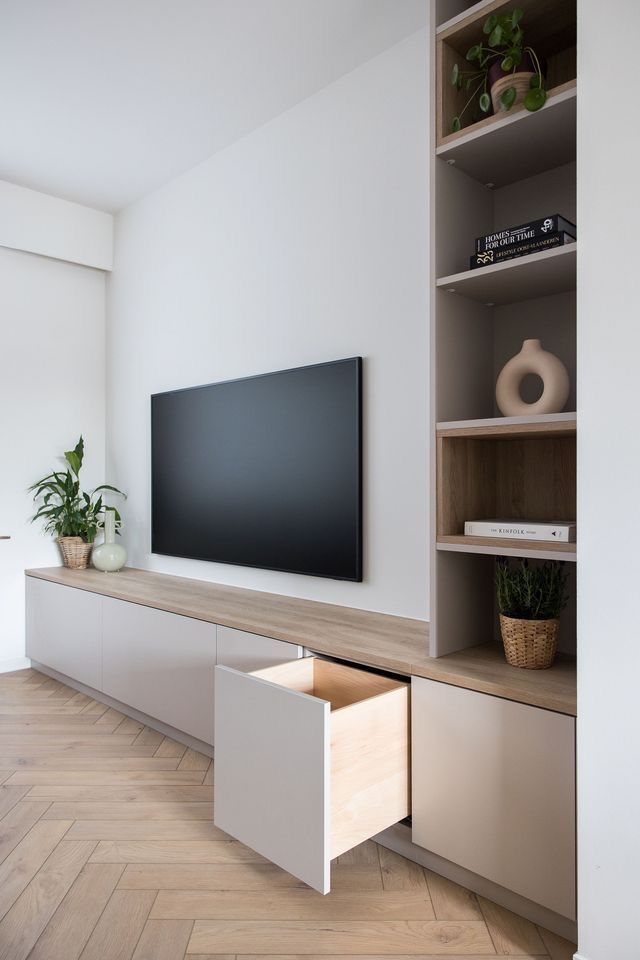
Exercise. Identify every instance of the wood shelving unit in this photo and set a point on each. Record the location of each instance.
(496, 172)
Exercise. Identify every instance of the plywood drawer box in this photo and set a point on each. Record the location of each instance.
(312, 758)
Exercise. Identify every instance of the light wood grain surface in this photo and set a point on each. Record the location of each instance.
(379, 640)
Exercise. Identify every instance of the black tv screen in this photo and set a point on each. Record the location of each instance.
(263, 472)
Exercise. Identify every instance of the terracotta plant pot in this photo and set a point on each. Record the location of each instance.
(75, 552)
(530, 644)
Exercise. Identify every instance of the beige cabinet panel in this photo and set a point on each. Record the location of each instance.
(160, 663)
(64, 630)
(249, 651)
(494, 790)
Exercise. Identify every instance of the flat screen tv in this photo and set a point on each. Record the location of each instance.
(263, 472)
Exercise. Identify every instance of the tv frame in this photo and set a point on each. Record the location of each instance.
(358, 578)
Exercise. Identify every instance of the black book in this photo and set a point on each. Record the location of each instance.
(526, 231)
(487, 257)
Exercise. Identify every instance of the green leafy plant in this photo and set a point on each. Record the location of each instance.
(505, 45)
(68, 511)
(526, 592)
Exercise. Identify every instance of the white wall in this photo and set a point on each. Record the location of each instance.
(305, 241)
(608, 472)
(51, 390)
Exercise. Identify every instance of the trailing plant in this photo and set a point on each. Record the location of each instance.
(531, 593)
(67, 510)
(504, 45)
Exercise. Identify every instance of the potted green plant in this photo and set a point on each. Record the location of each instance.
(72, 514)
(530, 600)
(505, 72)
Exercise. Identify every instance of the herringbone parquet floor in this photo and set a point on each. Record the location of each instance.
(108, 852)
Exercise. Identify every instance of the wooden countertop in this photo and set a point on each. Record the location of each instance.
(397, 644)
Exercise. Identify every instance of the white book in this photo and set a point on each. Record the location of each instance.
(560, 531)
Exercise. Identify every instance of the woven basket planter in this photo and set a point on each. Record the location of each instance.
(520, 81)
(530, 644)
(75, 552)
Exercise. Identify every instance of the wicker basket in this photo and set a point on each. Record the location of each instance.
(520, 81)
(529, 643)
(75, 552)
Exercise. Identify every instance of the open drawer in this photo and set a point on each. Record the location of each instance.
(312, 758)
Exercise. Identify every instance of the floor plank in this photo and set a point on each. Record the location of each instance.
(451, 901)
(511, 934)
(351, 937)
(198, 876)
(122, 793)
(401, 874)
(174, 851)
(126, 811)
(33, 909)
(192, 760)
(9, 796)
(146, 830)
(65, 936)
(24, 861)
(557, 947)
(286, 904)
(97, 777)
(118, 930)
(17, 823)
(164, 940)
(170, 748)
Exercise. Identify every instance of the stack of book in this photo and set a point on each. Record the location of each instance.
(532, 237)
(558, 531)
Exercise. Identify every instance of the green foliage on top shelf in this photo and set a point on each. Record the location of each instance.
(67, 510)
(531, 593)
(505, 45)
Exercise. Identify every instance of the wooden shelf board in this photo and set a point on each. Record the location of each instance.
(512, 146)
(485, 669)
(494, 546)
(475, 11)
(543, 425)
(524, 278)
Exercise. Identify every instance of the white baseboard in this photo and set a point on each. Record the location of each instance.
(19, 663)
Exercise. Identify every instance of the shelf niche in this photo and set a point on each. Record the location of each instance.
(550, 28)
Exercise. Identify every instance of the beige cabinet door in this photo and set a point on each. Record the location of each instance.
(64, 630)
(249, 651)
(160, 663)
(494, 790)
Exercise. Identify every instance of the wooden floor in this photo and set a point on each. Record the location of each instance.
(108, 852)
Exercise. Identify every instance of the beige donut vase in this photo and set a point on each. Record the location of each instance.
(552, 371)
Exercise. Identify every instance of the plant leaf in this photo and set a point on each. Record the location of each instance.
(535, 81)
(490, 23)
(508, 98)
(455, 124)
(496, 36)
(534, 99)
(516, 16)
(455, 74)
(474, 52)
(485, 102)
(507, 64)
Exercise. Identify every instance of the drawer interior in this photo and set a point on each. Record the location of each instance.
(340, 685)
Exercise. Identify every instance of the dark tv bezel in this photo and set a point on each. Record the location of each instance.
(358, 578)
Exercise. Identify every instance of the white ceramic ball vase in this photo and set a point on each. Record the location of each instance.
(551, 370)
(109, 556)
